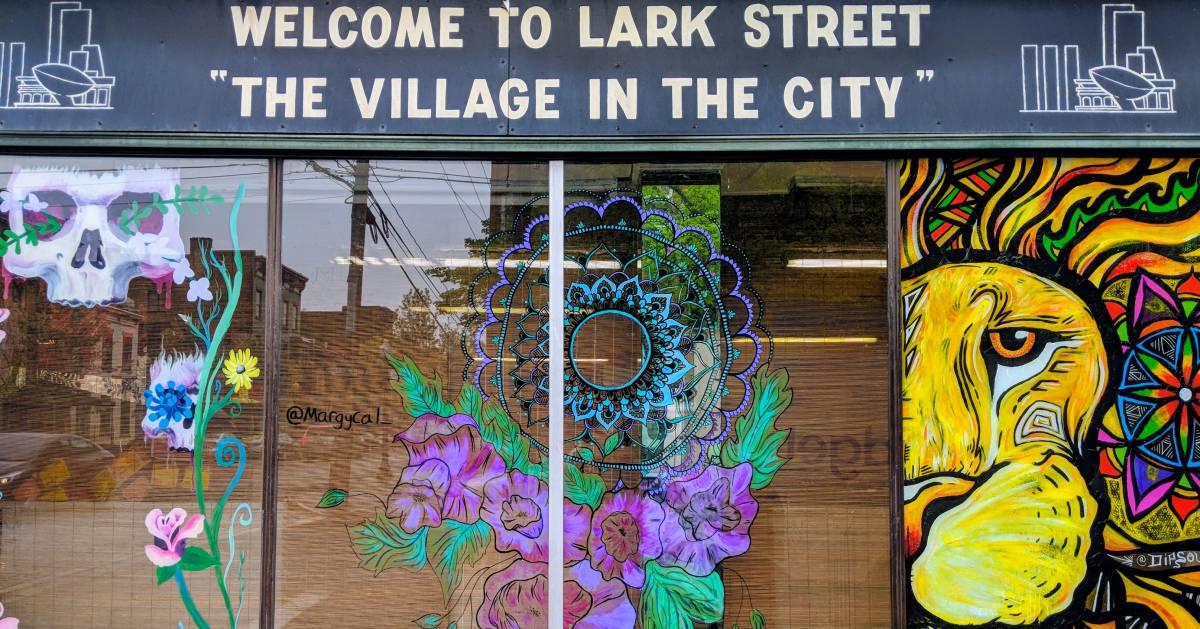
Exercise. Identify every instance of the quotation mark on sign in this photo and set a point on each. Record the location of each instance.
(924, 75)
(217, 74)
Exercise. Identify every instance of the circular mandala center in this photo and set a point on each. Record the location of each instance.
(609, 349)
(1185, 395)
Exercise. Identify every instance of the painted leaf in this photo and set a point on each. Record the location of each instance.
(500, 430)
(381, 545)
(453, 546)
(673, 598)
(757, 621)
(196, 558)
(428, 621)
(421, 395)
(611, 443)
(582, 488)
(164, 574)
(470, 402)
(332, 498)
(756, 440)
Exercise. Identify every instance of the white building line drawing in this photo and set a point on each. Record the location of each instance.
(73, 75)
(1129, 79)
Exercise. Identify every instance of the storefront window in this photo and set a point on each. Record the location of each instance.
(725, 419)
(725, 401)
(718, 318)
(128, 370)
(407, 486)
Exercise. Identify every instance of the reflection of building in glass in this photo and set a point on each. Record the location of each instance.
(1130, 78)
(73, 74)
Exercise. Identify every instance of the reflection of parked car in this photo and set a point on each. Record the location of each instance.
(44, 466)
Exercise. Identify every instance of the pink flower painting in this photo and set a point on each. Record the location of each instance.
(171, 532)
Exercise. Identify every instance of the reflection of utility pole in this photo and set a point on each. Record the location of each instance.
(340, 466)
(358, 237)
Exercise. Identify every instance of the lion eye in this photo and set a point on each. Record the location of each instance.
(1015, 344)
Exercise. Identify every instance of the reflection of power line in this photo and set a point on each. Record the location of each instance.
(475, 189)
(461, 204)
(412, 173)
(382, 228)
(389, 228)
(396, 211)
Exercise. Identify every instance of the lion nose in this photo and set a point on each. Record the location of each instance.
(919, 499)
(90, 250)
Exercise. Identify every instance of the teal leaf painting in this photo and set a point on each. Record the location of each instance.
(421, 395)
(332, 498)
(757, 621)
(428, 621)
(195, 201)
(500, 430)
(381, 545)
(453, 546)
(611, 443)
(163, 574)
(195, 559)
(582, 488)
(755, 438)
(31, 236)
(470, 402)
(673, 598)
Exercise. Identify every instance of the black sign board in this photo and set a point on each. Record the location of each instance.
(599, 68)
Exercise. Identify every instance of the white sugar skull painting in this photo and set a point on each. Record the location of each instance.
(171, 399)
(95, 246)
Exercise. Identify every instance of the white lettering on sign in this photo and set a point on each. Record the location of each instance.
(661, 24)
(512, 90)
(409, 98)
(376, 27)
(848, 26)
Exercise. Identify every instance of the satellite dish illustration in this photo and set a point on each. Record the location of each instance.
(1129, 79)
(1123, 84)
(63, 81)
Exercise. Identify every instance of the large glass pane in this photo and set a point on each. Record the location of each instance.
(726, 398)
(413, 395)
(129, 340)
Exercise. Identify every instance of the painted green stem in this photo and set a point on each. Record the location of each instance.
(206, 408)
(188, 603)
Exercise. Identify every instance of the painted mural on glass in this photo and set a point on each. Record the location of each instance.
(186, 392)
(1050, 374)
(87, 235)
(665, 452)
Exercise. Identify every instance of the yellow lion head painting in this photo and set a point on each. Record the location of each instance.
(1051, 391)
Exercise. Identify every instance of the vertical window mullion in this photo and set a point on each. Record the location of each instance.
(555, 599)
(272, 338)
(895, 429)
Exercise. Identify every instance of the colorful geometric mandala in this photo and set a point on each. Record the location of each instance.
(690, 315)
(1157, 453)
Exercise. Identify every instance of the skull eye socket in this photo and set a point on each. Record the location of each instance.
(1016, 345)
(60, 208)
(126, 222)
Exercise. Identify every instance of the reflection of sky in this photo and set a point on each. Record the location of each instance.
(433, 207)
